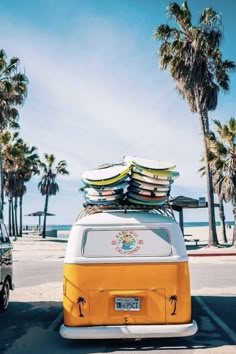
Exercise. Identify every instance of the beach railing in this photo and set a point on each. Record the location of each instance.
(30, 228)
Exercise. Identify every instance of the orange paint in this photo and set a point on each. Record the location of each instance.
(99, 285)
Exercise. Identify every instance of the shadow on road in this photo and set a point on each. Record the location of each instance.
(21, 317)
(209, 334)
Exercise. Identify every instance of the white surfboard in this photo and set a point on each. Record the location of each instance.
(148, 193)
(105, 198)
(149, 186)
(149, 164)
(101, 192)
(156, 181)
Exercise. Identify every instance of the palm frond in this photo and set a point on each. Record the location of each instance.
(165, 32)
(210, 19)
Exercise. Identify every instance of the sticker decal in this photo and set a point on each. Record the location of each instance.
(173, 299)
(81, 301)
(127, 242)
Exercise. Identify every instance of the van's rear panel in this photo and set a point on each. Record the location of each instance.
(117, 294)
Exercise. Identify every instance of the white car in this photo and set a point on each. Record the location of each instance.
(6, 283)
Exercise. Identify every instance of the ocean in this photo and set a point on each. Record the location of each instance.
(205, 223)
(186, 224)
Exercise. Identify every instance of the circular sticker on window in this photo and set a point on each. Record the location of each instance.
(127, 242)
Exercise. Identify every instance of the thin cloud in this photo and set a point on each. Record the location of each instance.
(93, 99)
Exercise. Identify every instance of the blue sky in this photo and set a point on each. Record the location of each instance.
(96, 92)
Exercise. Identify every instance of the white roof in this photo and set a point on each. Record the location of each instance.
(124, 217)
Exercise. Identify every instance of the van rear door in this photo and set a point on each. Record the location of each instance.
(142, 290)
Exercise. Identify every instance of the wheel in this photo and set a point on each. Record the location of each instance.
(4, 296)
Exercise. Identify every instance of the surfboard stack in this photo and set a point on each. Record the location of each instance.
(133, 181)
(107, 184)
(150, 181)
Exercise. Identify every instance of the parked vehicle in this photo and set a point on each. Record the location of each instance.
(6, 283)
(126, 275)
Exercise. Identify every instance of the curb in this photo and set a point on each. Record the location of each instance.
(210, 254)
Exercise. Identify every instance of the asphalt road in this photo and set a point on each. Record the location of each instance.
(212, 272)
(33, 327)
(28, 273)
(205, 272)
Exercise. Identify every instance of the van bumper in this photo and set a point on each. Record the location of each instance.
(138, 331)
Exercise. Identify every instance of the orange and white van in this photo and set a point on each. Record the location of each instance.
(126, 275)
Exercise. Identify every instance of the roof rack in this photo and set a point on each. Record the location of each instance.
(165, 209)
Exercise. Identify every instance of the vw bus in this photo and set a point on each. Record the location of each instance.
(5, 267)
(126, 275)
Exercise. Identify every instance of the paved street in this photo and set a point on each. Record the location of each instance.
(29, 329)
(32, 321)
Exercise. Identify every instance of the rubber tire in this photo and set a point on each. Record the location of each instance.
(4, 296)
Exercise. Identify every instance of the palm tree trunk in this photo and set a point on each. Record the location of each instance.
(9, 218)
(213, 241)
(16, 218)
(222, 219)
(45, 215)
(20, 204)
(13, 219)
(234, 232)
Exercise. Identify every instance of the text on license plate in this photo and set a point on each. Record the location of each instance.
(127, 304)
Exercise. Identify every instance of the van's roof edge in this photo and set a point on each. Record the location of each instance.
(164, 210)
(116, 219)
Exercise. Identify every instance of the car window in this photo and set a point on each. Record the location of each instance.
(4, 234)
(127, 242)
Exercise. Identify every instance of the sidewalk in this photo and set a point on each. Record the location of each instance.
(205, 251)
(31, 245)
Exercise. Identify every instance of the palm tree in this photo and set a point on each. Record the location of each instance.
(48, 185)
(9, 177)
(223, 163)
(27, 166)
(211, 156)
(9, 186)
(194, 60)
(20, 163)
(222, 218)
(13, 91)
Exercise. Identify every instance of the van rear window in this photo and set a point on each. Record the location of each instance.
(126, 242)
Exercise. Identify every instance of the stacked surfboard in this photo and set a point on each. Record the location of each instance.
(150, 181)
(133, 181)
(106, 184)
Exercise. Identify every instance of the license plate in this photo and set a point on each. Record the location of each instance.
(127, 304)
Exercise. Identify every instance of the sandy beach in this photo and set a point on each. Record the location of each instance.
(202, 233)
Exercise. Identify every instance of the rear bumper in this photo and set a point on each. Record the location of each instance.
(138, 331)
